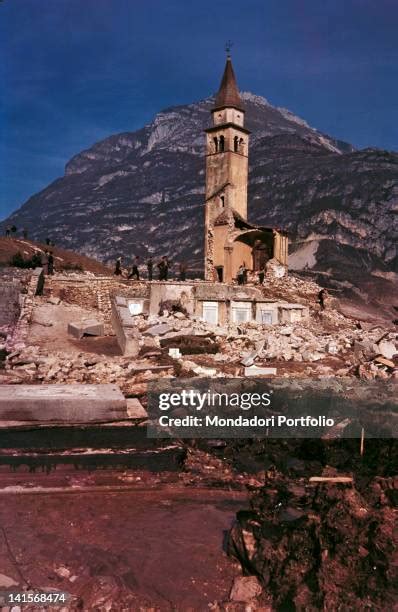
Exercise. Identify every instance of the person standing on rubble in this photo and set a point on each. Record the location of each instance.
(36, 259)
(134, 270)
(244, 273)
(118, 267)
(163, 267)
(149, 265)
(166, 268)
(44, 262)
(50, 263)
(322, 297)
(183, 271)
(241, 274)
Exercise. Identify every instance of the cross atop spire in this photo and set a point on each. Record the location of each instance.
(228, 46)
(228, 94)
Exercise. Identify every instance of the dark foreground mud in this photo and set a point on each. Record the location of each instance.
(139, 549)
(130, 539)
(320, 546)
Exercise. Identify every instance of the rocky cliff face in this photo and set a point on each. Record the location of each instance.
(142, 192)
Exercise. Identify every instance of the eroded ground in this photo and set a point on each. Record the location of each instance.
(160, 548)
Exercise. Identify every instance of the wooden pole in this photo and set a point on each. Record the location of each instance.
(362, 441)
(332, 479)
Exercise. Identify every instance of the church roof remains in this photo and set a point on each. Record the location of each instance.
(243, 224)
(228, 94)
(224, 217)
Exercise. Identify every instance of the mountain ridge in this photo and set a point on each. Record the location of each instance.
(154, 130)
(142, 192)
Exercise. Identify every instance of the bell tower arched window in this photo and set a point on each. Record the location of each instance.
(236, 144)
(221, 144)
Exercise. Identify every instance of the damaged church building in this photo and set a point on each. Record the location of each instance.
(230, 241)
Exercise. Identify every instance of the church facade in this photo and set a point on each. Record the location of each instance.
(230, 240)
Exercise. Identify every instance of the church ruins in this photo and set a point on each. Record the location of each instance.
(230, 240)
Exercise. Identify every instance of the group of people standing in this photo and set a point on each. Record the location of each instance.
(242, 275)
(12, 231)
(163, 267)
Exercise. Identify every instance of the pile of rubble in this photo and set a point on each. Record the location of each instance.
(372, 350)
(304, 341)
(376, 355)
(165, 342)
(293, 288)
(325, 344)
(33, 365)
(320, 544)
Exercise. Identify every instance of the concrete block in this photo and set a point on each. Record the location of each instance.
(248, 359)
(126, 318)
(204, 371)
(127, 334)
(179, 315)
(158, 330)
(135, 410)
(120, 301)
(257, 371)
(150, 368)
(387, 349)
(71, 403)
(130, 345)
(90, 327)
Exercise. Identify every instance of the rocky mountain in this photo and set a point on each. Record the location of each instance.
(142, 192)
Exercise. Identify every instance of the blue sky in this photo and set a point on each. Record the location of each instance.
(75, 71)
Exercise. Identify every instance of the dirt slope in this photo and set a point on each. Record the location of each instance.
(64, 259)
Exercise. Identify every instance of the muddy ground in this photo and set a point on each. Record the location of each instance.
(139, 547)
(136, 540)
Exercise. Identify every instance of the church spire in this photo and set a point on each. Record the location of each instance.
(228, 94)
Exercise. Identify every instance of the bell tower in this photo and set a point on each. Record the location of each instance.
(227, 143)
